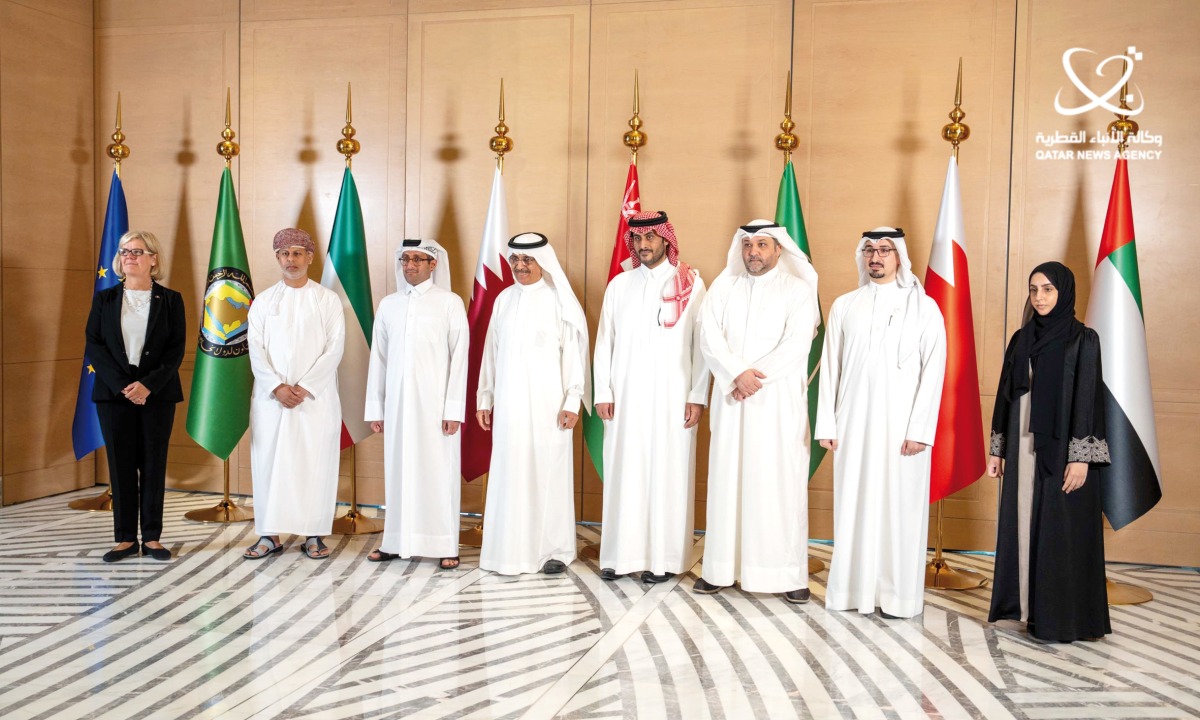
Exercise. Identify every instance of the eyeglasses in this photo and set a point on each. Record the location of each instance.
(883, 252)
(134, 252)
(516, 260)
(414, 260)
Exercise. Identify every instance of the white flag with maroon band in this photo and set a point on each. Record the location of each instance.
(492, 274)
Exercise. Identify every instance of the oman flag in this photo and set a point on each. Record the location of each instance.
(958, 458)
(1132, 484)
(346, 273)
(631, 204)
(492, 274)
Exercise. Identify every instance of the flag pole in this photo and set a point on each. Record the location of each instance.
(118, 151)
(353, 522)
(634, 139)
(226, 511)
(938, 573)
(786, 142)
(1120, 593)
(500, 143)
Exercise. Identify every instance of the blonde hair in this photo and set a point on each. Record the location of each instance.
(151, 244)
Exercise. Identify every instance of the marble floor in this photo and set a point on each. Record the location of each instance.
(209, 635)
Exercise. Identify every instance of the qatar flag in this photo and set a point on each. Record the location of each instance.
(958, 457)
(492, 274)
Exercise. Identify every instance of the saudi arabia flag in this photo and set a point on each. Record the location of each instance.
(789, 215)
(346, 273)
(219, 404)
(1132, 484)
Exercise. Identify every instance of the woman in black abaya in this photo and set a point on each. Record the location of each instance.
(1048, 437)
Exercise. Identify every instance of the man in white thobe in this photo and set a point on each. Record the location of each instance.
(756, 327)
(296, 332)
(651, 384)
(416, 396)
(532, 378)
(881, 388)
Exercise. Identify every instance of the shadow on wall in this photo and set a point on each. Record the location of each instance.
(908, 145)
(447, 232)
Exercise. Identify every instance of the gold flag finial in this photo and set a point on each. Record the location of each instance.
(118, 150)
(227, 148)
(500, 142)
(956, 131)
(787, 140)
(635, 138)
(1123, 127)
(348, 146)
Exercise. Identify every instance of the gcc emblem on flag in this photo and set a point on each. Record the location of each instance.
(226, 306)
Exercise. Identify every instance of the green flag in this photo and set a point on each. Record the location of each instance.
(219, 409)
(789, 215)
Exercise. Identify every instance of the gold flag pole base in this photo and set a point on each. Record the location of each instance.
(815, 565)
(1125, 594)
(99, 503)
(472, 537)
(938, 573)
(226, 511)
(940, 576)
(354, 522)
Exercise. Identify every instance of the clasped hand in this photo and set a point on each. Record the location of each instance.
(290, 396)
(746, 384)
(136, 393)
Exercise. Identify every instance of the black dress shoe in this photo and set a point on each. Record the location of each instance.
(608, 574)
(649, 577)
(797, 597)
(115, 555)
(886, 616)
(158, 553)
(704, 587)
(554, 567)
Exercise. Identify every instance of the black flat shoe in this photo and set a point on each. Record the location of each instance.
(704, 587)
(554, 567)
(608, 574)
(114, 555)
(159, 553)
(649, 577)
(797, 597)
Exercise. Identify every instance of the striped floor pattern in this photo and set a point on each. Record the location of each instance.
(209, 635)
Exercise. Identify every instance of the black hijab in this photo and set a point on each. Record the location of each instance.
(1042, 344)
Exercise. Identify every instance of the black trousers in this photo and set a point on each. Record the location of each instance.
(136, 438)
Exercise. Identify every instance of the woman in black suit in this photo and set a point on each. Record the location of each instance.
(135, 341)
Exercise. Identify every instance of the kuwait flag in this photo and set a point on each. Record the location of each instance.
(1132, 484)
(593, 426)
(958, 456)
(492, 274)
(347, 275)
(789, 215)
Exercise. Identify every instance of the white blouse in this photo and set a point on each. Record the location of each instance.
(135, 316)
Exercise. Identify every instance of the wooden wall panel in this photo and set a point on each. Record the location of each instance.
(456, 61)
(873, 104)
(173, 111)
(713, 78)
(46, 235)
(294, 77)
(1059, 205)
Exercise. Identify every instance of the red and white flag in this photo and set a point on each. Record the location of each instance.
(492, 274)
(957, 459)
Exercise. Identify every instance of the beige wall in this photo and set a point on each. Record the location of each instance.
(873, 83)
(47, 155)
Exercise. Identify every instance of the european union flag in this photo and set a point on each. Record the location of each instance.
(85, 428)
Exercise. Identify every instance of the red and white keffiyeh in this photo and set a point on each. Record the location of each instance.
(678, 292)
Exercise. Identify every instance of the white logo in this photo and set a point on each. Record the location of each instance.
(1100, 101)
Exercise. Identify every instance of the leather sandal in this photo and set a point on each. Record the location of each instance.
(454, 562)
(268, 545)
(313, 547)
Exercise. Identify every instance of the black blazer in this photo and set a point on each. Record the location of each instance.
(158, 368)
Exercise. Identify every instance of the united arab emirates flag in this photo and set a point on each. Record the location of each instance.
(347, 274)
(789, 215)
(1132, 484)
(219, 404)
